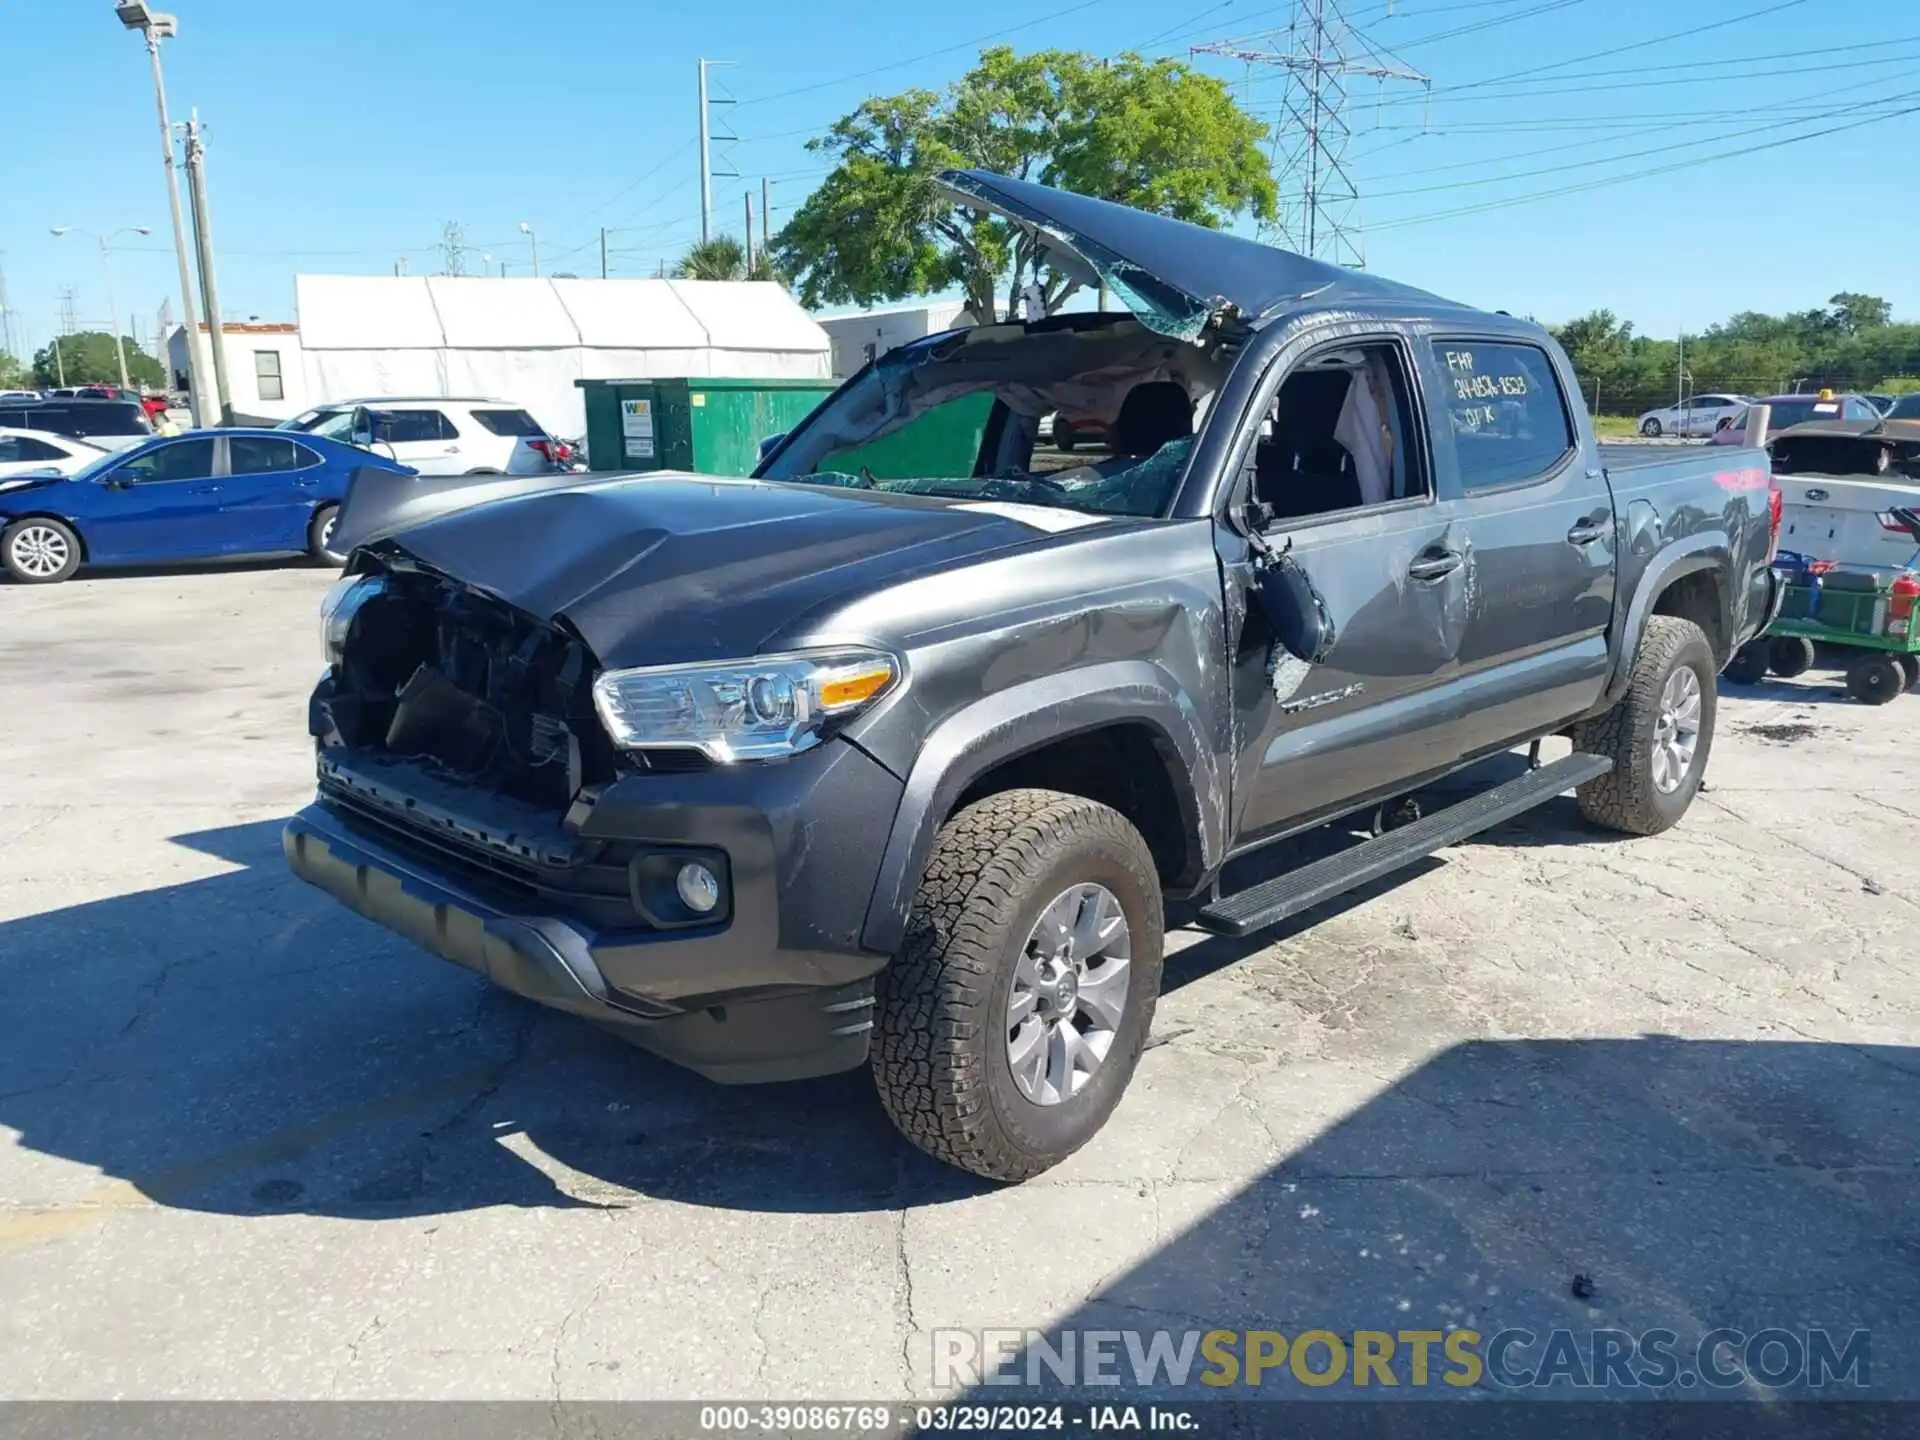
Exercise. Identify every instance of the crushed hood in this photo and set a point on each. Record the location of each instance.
(675, 568)
(1173, 276)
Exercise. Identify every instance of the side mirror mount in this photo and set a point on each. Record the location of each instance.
(1293, 608)
(771, 444)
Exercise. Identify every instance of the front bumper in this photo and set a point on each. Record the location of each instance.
(778, 990)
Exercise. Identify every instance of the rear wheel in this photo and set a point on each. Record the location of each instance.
(320, 536)
(1009, 1024)
(1749, 664)
(1909, 667)
(1876, 679)
(39, 550)
(1790, 655)
(1650, 428)
(1659, 735)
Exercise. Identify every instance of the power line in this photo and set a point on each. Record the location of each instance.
(1739, 153)
(1318, 200)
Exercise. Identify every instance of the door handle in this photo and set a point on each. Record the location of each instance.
(1434, 567)
(1588, 531)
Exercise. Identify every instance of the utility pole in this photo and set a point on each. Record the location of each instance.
(747, 196)
(1319, 204)
(203, 241)
(6, 320)
(707, 137)
(155, 27)
(766, 214)
(603, 252)
(59, 363)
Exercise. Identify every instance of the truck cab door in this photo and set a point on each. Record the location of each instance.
(1538, 517)
(1341, 480)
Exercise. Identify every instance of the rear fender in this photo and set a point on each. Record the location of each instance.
(1707, 551)
(1023, 718)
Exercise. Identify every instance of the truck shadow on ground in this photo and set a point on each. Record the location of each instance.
(241, 1045)
(1574, 1185)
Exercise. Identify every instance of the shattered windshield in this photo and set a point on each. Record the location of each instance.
(1092, 413)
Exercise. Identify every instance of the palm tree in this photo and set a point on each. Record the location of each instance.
(725, 258)
(721, 258)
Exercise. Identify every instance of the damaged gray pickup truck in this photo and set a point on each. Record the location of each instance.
(895, 753)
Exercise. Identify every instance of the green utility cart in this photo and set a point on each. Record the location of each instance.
(1874, 616)
(713, 426)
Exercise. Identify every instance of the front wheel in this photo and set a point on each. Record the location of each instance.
(1658, 735)
(320, 536)
(39, 550)
(1650, 428)
(1009, 1024)
(1749, 664)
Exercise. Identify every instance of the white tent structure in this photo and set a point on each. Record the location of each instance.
(528, 340)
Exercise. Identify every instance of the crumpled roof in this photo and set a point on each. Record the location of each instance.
(1205, 264)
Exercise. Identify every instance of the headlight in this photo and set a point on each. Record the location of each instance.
(759, 709)
(338, 607)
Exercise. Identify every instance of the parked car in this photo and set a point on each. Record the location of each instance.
(207, 494)
(1791, 410)
(858, 763)
(1856, 521)
(1698, 416)
(27, 451)
(19, 394)
(1882, 403)
(1071, 429)
(442, 437)
(1905, 407)
(110, 424)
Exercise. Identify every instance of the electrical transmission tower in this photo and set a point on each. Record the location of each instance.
(68, 323)
(1319, 52)
(453, 249)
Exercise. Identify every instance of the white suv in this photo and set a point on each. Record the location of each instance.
(438, 436)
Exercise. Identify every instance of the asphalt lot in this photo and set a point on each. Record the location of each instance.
(251, 1146)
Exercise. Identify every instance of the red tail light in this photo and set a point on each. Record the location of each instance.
(544, 449)
(1776, 504)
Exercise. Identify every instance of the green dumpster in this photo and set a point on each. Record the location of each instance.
(712, 426)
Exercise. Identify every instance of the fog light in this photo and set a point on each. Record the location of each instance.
(698, 887)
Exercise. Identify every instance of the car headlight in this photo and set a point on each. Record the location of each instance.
(758, 709)
(338, 607)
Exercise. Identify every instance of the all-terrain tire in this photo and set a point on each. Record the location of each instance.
(1626, 798)
(940, 1029)
(320, 537)
(1749, 664)
(1909, 667)
(1790, 655)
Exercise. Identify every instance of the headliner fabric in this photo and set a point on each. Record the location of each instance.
(527, 341)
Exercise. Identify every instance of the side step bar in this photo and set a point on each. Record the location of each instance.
(1286, 895)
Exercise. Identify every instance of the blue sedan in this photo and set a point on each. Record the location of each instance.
(203, 495)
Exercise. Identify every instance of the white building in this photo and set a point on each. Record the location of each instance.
(528, 340)
(266, 368)
(866, 336)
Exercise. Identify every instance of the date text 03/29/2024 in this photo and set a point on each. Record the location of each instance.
(877, 1420)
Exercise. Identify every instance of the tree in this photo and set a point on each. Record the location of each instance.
(13, 374)
(724, 258)
(87, 358)
(1154, 134)
(1854, 312)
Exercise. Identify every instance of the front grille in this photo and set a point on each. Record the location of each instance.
(591, 888)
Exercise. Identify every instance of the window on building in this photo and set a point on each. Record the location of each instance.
(266, 374)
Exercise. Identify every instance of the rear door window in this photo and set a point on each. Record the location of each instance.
(1507, 414)
(257, 455)
(413, 426)
(510, 422)
(15, 449)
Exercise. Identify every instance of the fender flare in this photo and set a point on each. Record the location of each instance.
(1708, 551)
(1025, 717)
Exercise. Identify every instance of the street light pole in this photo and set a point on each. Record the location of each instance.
(534, 241)
(106, 268)
(155, 27)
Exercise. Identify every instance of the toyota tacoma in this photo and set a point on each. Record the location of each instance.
(894, 753)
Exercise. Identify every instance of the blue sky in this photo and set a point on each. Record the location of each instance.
(339, 145)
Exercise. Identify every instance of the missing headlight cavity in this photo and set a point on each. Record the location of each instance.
(434, 672)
